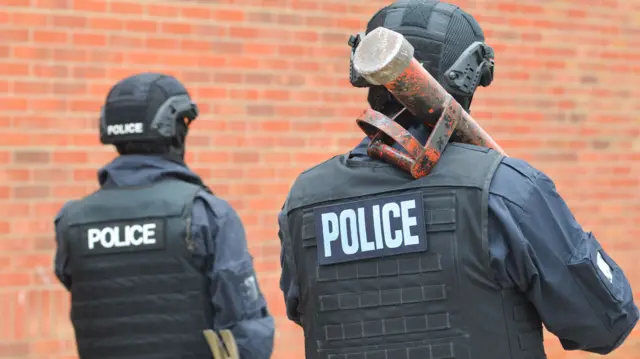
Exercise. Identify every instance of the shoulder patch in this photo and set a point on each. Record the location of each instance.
(371, 228)
(122, 236)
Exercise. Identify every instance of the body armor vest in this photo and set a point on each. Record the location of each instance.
(137, 291)
(433, 303)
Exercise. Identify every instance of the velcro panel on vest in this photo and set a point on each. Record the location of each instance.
(394, 291)
(524, 326)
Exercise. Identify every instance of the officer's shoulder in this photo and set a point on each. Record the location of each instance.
(217, 205)
(66, 208)
(514, 180)
(315, 171)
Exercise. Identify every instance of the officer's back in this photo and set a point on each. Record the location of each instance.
(399, 268)
(153, 258)
(467, 262)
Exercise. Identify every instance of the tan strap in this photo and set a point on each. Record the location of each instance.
(225, 349)
(230, 343)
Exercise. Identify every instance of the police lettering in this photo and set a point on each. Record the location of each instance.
(371, 228)
(132, 235)
(125, 128)
(351, 228)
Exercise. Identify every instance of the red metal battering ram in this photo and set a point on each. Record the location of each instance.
(385, 57)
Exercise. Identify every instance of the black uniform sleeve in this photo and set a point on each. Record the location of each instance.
(580, 292)
(238, 302)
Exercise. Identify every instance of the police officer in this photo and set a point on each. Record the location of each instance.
(467, 262)
(153, 258)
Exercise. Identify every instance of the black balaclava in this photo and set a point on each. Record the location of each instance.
(149, 91)
(439, 33)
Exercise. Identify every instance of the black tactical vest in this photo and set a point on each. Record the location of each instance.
(137, 292)
(410, 290)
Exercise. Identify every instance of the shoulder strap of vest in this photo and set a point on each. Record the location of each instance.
(485, 209)
(178, 191)
(192, 179)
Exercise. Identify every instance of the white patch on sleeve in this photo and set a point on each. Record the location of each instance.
(604, 267)
(251, 288)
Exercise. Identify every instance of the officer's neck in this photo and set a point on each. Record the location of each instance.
(416, 126)
(412, 124)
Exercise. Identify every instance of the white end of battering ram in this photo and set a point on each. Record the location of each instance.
(382, 56)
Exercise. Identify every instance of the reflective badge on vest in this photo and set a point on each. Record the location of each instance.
(370, 228)
(123, 236)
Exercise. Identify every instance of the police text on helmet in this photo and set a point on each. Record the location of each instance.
(371, 228)
(122, 236)
(125, 128)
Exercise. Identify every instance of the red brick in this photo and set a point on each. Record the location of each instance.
(98, 6)
(126, 7)
(228, 15)
(162, 10)
(14, 350)
(69, 21)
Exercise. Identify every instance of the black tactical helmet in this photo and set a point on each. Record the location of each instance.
(447, 41)
(145, 113)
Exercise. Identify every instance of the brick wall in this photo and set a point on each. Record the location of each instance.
(270, 77)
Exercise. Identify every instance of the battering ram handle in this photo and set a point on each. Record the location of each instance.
(385, 57)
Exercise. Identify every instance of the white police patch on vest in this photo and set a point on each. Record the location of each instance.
(117, 237)
(370, 228)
